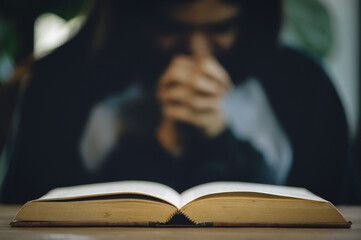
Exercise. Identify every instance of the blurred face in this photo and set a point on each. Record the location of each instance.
(196, 28)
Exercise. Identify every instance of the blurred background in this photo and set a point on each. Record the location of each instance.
(326, 29)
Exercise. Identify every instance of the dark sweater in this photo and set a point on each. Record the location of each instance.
(43, 153)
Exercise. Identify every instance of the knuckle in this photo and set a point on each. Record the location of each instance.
(196, 104)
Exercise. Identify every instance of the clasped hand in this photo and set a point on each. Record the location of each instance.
(190, 91)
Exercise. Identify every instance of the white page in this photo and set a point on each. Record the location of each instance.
(148, 188)
(222, 187)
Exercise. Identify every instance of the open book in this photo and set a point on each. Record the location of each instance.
(140, 203)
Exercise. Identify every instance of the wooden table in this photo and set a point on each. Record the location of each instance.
(7, 212)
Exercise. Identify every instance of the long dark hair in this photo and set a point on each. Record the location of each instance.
(112, 34)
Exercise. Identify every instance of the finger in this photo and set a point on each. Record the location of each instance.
(183, 95)
(202, 120)
(202, 104)
(179, 113)
(195, 81)
(174, 76)
(214, 70)
(179, 70)
(178, 94)
(181, 59)
(203, 84)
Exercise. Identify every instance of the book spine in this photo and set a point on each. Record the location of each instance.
(188, 217)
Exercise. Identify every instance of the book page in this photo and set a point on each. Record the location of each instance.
(157, 190)
(222, 187)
